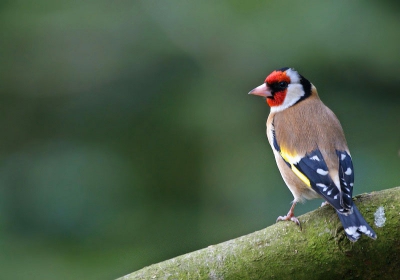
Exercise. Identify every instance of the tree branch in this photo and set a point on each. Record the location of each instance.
(282, 251)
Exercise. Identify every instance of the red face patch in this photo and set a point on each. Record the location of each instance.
(276, 77)
(278, 99)
(278, 96)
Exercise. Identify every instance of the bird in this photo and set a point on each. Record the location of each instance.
(310, 148)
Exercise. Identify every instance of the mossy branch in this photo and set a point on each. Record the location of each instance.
(281, 251)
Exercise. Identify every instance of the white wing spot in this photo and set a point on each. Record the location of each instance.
(348, 171)
(347, 189)
(344, 183)
(315, 158)
(342, 156)
(335, 197)
(322, 186)
(351, 184)
(329, 193)
(322, 172)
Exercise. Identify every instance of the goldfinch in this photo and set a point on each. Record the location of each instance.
(310, 148)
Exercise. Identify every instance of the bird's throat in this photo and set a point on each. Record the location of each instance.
(277, 99)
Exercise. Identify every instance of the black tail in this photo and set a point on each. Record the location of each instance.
(354, 225)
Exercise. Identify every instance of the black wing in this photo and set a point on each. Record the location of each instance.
(313, 166)
(346, 176)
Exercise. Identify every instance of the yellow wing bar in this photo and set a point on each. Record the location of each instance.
(291, 160)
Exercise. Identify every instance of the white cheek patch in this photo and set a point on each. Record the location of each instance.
(293, 94)
(293, 75)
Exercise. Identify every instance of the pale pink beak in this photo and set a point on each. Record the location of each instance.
(261, 90)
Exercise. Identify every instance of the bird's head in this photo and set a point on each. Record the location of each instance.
(283, 88)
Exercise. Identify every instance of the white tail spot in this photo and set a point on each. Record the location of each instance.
(348, 171)
(364, 230)
(342, 156)
(352, 231)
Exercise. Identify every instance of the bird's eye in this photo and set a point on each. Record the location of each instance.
(283, 85)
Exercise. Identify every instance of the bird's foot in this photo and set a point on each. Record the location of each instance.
(289, 218)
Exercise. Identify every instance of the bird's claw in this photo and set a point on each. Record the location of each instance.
(289, 218)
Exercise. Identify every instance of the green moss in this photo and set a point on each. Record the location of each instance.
(283, 251)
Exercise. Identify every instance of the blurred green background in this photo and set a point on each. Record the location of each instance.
(128, 136)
